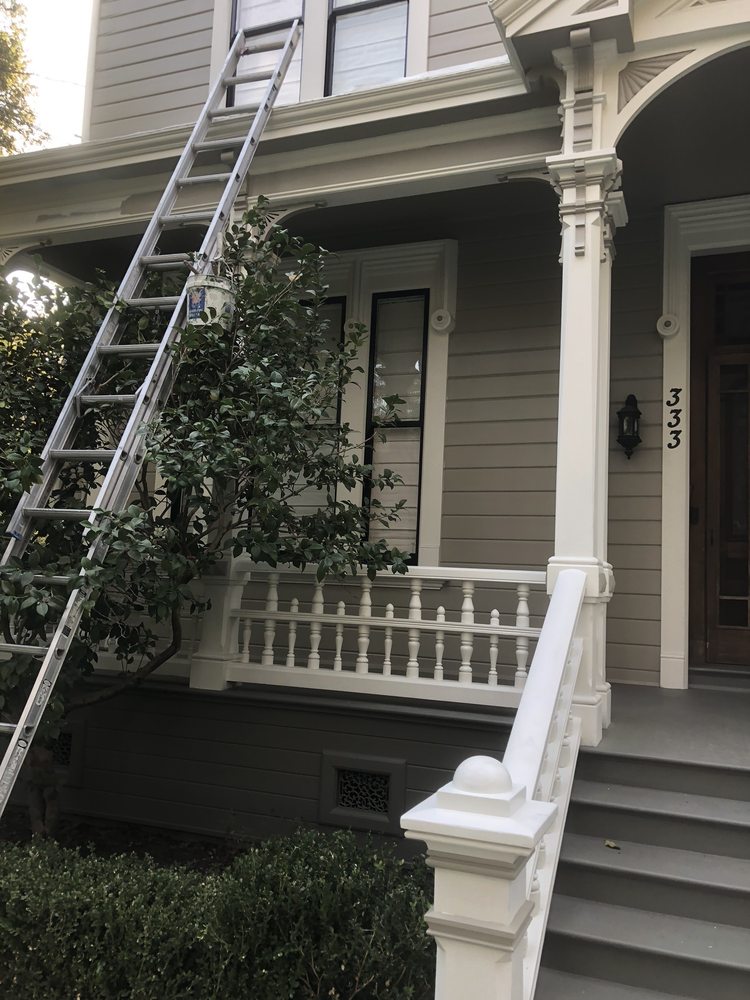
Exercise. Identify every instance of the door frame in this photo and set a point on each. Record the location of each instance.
(690, 229)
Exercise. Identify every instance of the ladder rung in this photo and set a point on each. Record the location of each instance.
(256, 77)
(52, 581)
(19, 650)
(83, 454)
(186, 219)
(237, 109)
(203, 179)
(156, 302)
(166, 261)
(57, 513)
(257, 47)
(144, 349)
(233, 143)
(7, 727)
(124, 400)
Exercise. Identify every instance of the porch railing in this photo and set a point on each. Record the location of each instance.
(494, 832)
(460, 635)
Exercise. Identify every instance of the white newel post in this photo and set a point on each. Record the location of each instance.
(218, 645)
(590, 207)
(481, 832)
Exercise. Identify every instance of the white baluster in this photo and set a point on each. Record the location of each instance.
(467, 638)
(522, 641)
(294, 608)
(415, 615)
(388, 641)
(247, 627)
(341, 612)
(494, 639)
(316, 628)
(269, 633)
(363, 632)
(439, 645)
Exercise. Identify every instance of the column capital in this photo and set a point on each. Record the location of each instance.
(588, 187)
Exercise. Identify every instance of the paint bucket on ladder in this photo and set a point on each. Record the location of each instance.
(207, 292)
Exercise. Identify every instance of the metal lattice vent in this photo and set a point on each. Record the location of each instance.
(62, 749)
(364, 791)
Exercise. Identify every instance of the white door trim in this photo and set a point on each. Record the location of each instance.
(689, 229)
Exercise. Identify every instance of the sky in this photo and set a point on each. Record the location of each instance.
(57, 44)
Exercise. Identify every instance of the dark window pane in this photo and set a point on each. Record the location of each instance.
(733, 613)
(733, 313)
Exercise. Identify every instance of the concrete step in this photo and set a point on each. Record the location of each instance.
(554, 985)
(652, 951)
(663, 879)
(681, 820)
(669, 775)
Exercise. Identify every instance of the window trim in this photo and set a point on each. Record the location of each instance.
(360, 274)
(336, 12)
(314, 43)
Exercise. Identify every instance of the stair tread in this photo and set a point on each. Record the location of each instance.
(554, 985)
(669, 863)
(655, 800)
(647, 931)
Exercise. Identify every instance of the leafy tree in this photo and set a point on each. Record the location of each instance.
(248, 431)
(16, 117)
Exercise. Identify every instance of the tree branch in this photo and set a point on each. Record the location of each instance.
(131, 680)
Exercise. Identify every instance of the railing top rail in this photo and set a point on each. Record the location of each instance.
(447, 574)
(529, 738)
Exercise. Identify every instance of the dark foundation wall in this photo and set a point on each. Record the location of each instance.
(253, 763)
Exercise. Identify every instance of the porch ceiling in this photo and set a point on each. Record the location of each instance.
(693, 141)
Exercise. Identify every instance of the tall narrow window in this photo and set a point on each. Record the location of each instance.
(398, 342)
(366, 43)
(255, 14)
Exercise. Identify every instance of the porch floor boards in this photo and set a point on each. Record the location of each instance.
(698, 726)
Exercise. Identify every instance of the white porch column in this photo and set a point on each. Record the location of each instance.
(481, 833)
(588, 212)
(218, 644)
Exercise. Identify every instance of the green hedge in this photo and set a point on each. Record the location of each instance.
(311, 915)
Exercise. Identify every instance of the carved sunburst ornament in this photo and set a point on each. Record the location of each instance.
(634, 77)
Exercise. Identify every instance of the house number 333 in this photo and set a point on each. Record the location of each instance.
(674, 423)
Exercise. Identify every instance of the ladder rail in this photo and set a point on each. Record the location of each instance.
(18, 527)
(149, 398)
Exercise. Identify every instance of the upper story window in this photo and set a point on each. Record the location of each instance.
(366, 43)
(347, 45)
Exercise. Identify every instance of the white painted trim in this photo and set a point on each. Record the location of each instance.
(359, 275)
(393, 686)
(88, 98)
(491, 79)
(689, 229)
(221, 32)
(417, 37)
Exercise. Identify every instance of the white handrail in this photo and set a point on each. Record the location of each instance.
(494, 832)
(539, 709)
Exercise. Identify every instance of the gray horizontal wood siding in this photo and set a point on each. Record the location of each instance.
(633, 629)
(248, 763)
(151, 65)
(461, 31)
(501, 418)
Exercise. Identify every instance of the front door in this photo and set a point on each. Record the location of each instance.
(720, 461)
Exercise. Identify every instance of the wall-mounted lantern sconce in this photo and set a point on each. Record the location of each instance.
(628, 420)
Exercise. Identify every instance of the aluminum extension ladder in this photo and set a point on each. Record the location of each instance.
(126, 458)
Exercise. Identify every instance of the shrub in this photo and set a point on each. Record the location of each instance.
(308, 916)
